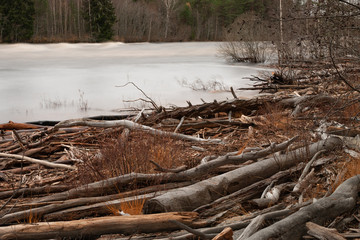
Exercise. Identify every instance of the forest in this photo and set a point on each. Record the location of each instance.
(157, 20)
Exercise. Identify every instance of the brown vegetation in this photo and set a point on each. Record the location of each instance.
(145, 171)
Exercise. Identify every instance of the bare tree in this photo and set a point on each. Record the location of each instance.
(169, 9)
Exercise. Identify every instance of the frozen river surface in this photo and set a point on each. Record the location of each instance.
(57, 81)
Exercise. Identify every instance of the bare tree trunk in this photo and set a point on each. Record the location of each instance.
(206, 191)
(169, 8)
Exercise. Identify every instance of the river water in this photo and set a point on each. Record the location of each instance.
(62, 81)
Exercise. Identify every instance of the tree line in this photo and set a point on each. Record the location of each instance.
(176, 20)
(122, 20)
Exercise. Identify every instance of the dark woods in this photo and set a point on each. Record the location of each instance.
(172, 20)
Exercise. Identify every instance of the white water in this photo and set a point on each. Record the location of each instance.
(34, 77)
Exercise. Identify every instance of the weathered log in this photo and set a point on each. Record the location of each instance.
(37, 161)
(94, 189)
(209, 230)
(197, 233)
(17, 126)
(299, 103)
(226, 234)
(321, 232)
(52, 211)
(275, 87)
(293, 227)
(206, 191)
(212, 124)
(207, 109)
(130, 125)
(33, 191)
(251, 191)
(92, 227)
(56, 210)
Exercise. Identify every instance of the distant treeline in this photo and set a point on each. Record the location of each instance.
(177, 20)
(123, 20)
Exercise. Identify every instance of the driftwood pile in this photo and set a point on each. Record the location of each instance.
(241, 174)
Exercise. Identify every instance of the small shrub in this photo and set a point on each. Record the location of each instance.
(245, 51)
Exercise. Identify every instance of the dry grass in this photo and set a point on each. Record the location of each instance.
(30, 218)
(350, 168)
(133, 207)
(119, 156)
(276, 118)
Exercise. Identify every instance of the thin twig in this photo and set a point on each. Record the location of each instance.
(151, 100)
(179, 125)
(201, 235)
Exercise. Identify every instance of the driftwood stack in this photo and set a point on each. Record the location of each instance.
(240, 176)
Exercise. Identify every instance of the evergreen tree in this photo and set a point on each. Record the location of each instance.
(16, 20)
(100, 18)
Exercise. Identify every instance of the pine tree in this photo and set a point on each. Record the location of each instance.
(100, 18)
(16, 20)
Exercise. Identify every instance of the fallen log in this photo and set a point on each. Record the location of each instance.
(93, 227)
(33, 191)
(245, 106)
(130, 125)
(94, 189)
(250, 191)
(299, 103)
(55, 210)
(276, 86)
(206, 191)
(37, 161)
(293, 227)
(321, 232)
(17, 126)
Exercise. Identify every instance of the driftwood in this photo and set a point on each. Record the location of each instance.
(33, 160)
(53, 210)
(244, 106)
(257, 222)
(206, 191)
(212, 230)
(98, 226)
(299, 103)
(293, 227)
(33, 191)
(276, 87)
(214, 180)
(250, 191)
(17, 126)
(94, 189)
(226, 234)
(321, 232)
(130, 125)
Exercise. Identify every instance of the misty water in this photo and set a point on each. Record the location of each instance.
(59, 81)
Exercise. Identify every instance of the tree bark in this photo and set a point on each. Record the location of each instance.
(98, 226)
(206, 191)
(293, 227)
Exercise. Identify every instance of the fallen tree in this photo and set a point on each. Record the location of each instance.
(294, 227)
(130, 125)
(206, 191)
(97, 226)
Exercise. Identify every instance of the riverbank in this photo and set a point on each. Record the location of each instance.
(226, 163)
